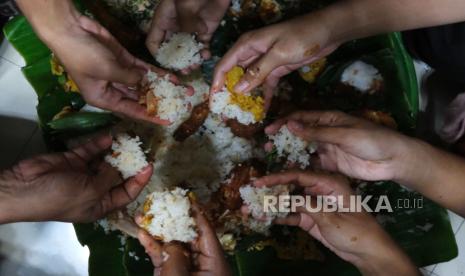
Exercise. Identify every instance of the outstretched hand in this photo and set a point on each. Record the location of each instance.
(74, 186)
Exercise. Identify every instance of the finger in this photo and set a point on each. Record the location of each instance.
(258, 72)
(290, 220)
(208, 243)
(302, 178)
(94, 148)
(332, 135)
(123, 194)
(106, 178)
(268, 96)
(153, 248)
(269, 147)
(323, 118)
(275, 126)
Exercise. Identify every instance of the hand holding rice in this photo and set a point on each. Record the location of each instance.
(127, 155)
(246, 109)
(181, 51)
(296, 149)
(166, 216)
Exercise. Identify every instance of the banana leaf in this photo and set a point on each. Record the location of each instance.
(109, 257)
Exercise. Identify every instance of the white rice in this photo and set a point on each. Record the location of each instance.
(296, 149)
(253, 197)
(171, 220)
(173, 103)
(220, 104)
(127, 155)
(362, 76)
(179, 52)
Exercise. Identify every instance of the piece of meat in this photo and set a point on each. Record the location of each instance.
(377, 117)
(190, 126)
(244, 131)
(241, 175)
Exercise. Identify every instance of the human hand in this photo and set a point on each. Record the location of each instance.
(353, 146)
(206, 252)
(354, 236)
(201, 17)
(74, 186)
(276, 50)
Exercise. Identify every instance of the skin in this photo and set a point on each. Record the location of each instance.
(205, 252)
(74, 186)
(363, 150)
(200, 17)
(106, 73)
(355, 237)
(266, 55)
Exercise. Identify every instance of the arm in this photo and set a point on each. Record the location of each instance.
(105, 72)
(265, 52)
(362, 18)
(363, 150)
(74, 186)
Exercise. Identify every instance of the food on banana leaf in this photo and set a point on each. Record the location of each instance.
(179, 52)
(295, 149)
(378, 117)
(311, 71)
(363, 77)
(64, 78)
(190, 126)
(254, 198)
(127, 155)
(82, 122)
(246, 109)
(139, 11)
(165, 99)
(166, 216)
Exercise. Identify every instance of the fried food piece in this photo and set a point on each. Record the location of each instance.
(190, 126)
(378, 117)
(244, 131)
(241, 175)
(311, 71)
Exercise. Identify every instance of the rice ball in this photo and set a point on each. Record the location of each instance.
(179, 52)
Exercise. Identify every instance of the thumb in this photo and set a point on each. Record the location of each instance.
(311, 133)
(257, 73)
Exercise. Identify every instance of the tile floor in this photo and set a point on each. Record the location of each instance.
(22, 243)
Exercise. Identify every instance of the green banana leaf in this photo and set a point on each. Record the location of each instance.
(110, 257)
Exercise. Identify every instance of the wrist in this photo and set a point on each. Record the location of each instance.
(7, 204)
(387, 261)
(52, 20)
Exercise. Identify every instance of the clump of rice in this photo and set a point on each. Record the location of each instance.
(179, 52)
(127, 155)
(362, 76)
(221, 104)
(296, 149)
(166, 216)
(254, 198)
(173, 104)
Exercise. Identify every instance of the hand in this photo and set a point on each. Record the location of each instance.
(207, 254)
(352, 146)
(74, 186)
(275, 51)
(201, 17)
(354, 236)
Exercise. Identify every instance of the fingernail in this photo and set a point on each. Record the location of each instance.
(241, 86)
(295, 125)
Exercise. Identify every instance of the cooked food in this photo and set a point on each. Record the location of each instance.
(165, 99)
(244, 131)
(311, 71)
(378, 117)
(180, 52)
(363, 77)
(127, 155)
(254, 199)
(166, 216)
(246, 109)
(190, 126)
(294, 148)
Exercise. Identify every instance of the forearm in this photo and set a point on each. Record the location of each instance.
(7, 206)
(49, 18)
(362, 18)
(436, 174)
